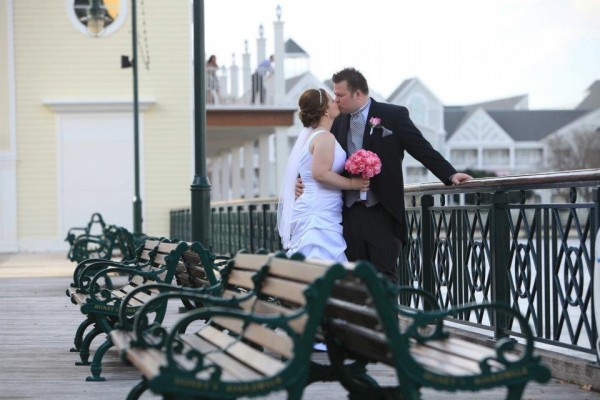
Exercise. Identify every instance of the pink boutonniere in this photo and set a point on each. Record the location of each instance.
(375, 122)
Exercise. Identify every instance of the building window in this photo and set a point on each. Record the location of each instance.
(415, 174)
(464, 158)
(496, 157)
(524, 157)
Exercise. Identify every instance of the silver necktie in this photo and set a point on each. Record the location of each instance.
(357, 129)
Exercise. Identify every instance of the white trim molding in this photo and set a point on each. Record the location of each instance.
(8, 204)
(62, 106)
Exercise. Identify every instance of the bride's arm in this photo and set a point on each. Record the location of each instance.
(323, 149)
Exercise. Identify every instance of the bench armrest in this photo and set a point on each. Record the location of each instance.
(104, 295)
(503, 346)
(208, 296)
(74, 233)
(91, 266)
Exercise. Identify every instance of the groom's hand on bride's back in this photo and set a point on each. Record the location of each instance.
(299, 187)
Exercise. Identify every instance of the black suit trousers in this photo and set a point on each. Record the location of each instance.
(369, 235)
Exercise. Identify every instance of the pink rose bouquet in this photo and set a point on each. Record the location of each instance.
(364, 163)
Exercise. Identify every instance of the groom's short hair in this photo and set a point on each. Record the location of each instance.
(355, 79)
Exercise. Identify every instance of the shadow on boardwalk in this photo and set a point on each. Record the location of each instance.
(38, 322)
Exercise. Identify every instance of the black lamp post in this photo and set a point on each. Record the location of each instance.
(200, 187)
(137, 200)
(95, 22)
(125, 63)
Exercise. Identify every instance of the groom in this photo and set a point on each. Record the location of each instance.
(376, 229)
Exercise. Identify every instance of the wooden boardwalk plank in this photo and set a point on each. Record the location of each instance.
(38, 322)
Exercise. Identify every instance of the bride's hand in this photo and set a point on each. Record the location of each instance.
(358, 183)
(299, 187)
(365, 185)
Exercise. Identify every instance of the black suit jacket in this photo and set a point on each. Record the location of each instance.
(388, 185)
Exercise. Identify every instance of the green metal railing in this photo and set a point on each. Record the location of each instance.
(490, 239)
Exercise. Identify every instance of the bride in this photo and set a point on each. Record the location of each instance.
(311, 223)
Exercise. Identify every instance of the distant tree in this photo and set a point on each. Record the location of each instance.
(580, 150)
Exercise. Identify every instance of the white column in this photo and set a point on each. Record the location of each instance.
(224, 93)
(249, 170)
(225, 177)
(282, 151)
(234, 76)
(264, 172)
(216, 179)
(236, 176)
(512, 159)
(246, 72)
(261, 48)
(8, 204)
(8, 158)
(279, 78)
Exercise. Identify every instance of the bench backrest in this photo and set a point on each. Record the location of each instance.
(164, 260)
(353, 321)
(198, 268)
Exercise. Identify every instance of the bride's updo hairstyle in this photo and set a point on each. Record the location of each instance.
(313, 104)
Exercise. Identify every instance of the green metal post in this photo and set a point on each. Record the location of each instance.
(137, 200)
(200, 187)
(427, 248)
(500, 253)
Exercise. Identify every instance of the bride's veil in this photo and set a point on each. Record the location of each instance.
(287, 196)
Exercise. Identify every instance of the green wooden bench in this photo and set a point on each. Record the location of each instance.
(253, 336)
(95, 224)
(101, 305)
(114, 242)
(86, 269)
(364, 322)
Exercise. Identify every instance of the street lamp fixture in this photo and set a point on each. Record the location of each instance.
(96, 18)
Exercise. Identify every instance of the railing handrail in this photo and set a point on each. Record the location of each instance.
(578, 178)
(243, 202)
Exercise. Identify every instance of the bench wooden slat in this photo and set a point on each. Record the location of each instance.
(361, 340)
(268, 338)
(252, 357)
(252, 262)
(147, 361)
(235, 369)
(284, 290)
(121, 338)
(241, 279)
(443, 362)
(353, 313)
(292, 270)
(270, 308)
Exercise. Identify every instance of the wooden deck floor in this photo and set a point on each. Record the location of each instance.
(38, 322)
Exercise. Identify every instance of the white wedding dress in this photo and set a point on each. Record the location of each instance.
(316, 222)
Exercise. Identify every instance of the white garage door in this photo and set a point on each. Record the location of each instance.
(96, 168)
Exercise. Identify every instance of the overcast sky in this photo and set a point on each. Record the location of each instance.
(465, 51)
